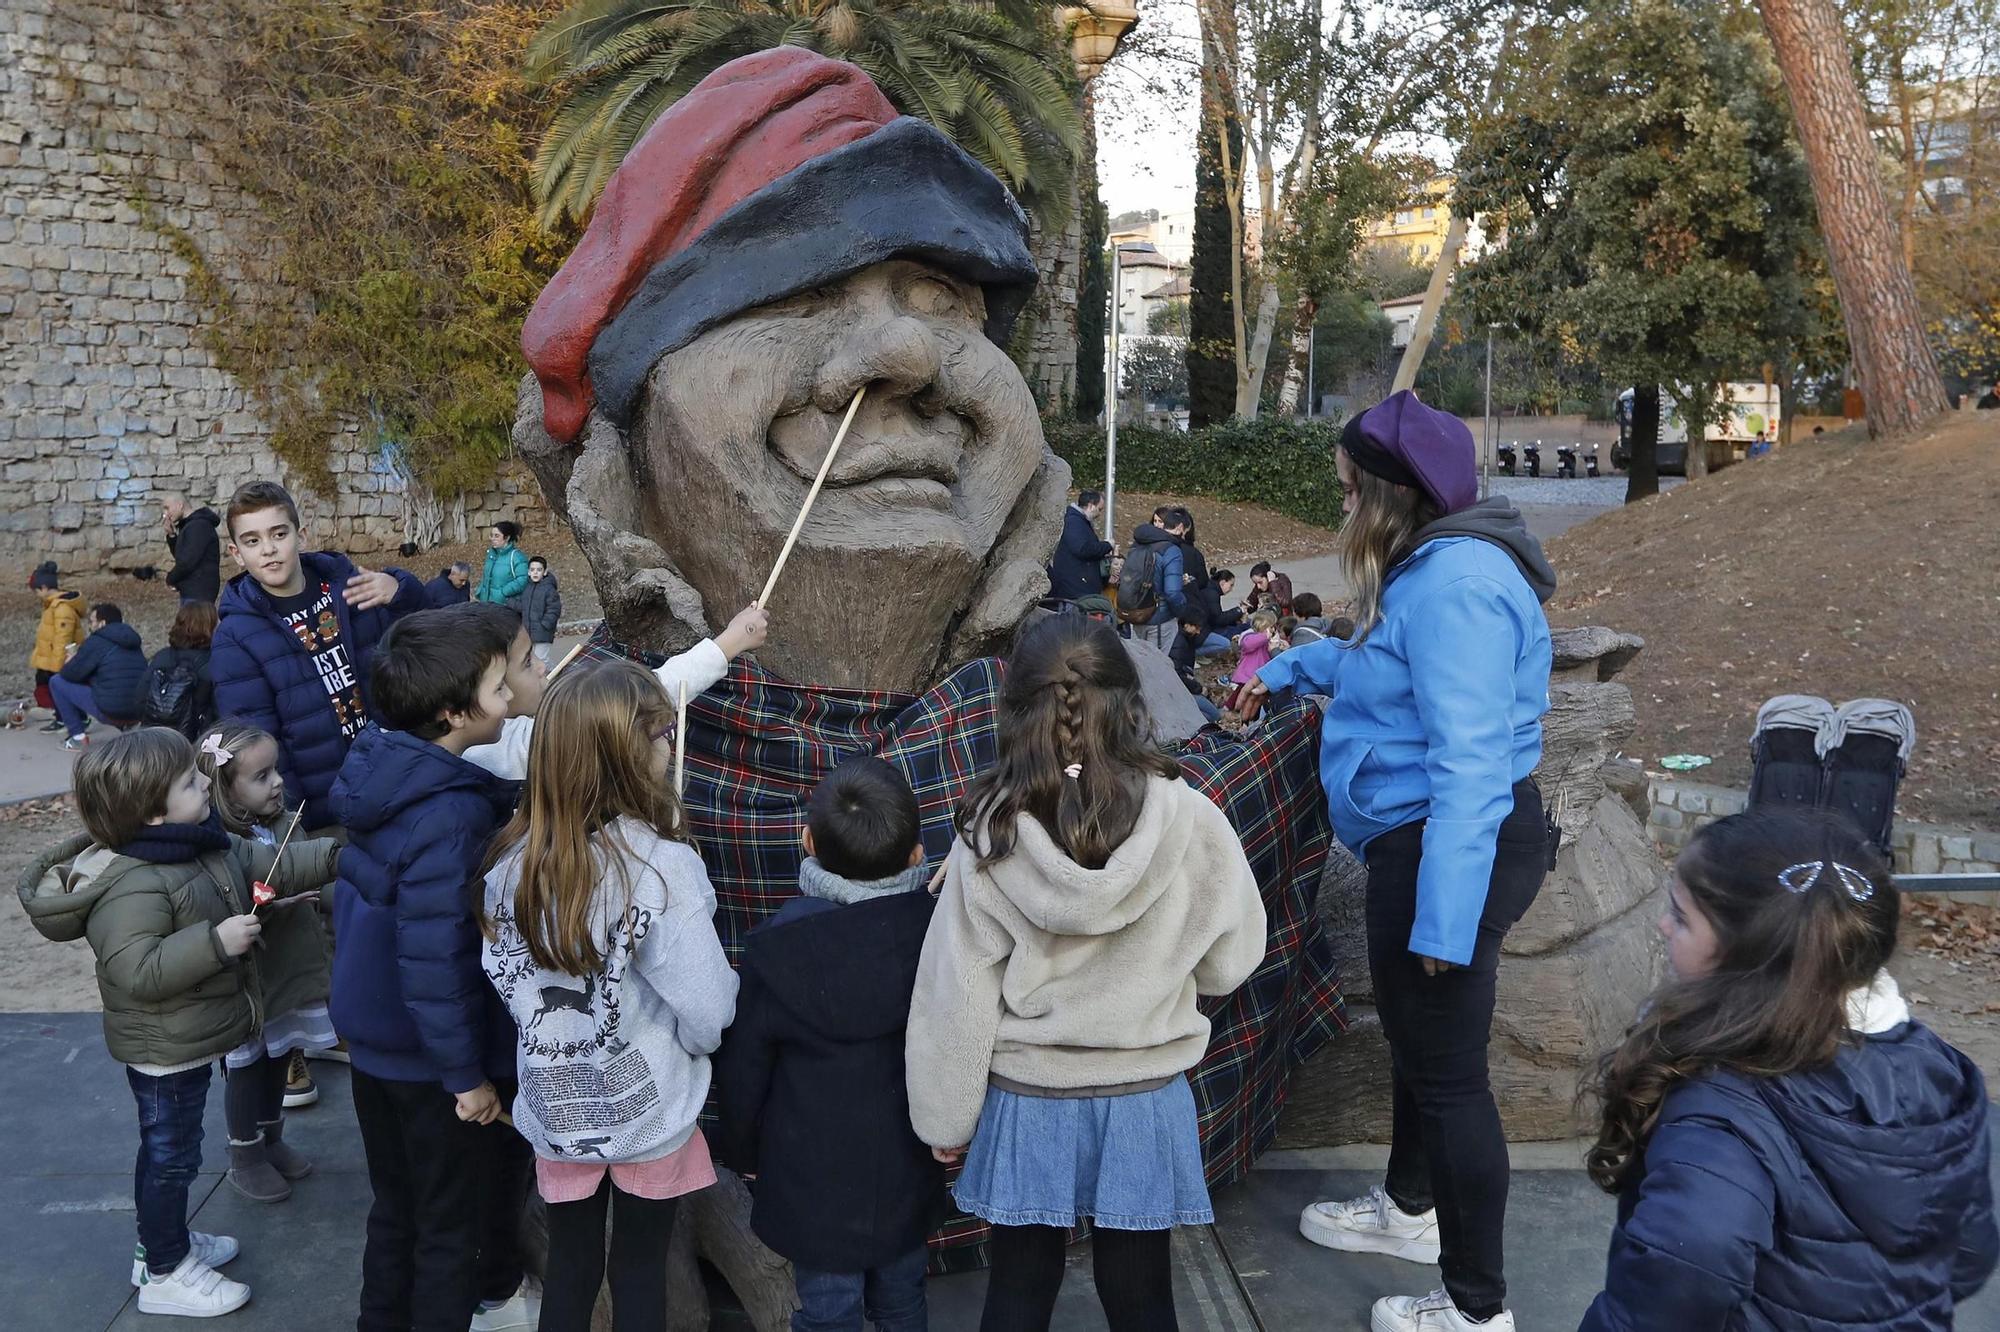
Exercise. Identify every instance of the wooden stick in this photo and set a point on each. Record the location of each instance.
(287, 838)
(826, 464)
(568, 657)
(680, 742)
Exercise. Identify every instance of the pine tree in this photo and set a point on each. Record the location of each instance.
(1211, 348)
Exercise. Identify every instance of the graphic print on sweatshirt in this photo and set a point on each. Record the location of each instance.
(311, 618)
(582, 1080)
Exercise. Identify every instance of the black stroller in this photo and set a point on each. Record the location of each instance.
(1808, 754)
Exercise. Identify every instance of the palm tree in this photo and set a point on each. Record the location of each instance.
(995, 81)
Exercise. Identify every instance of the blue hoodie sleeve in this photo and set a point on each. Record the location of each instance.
(1172, 575)
(1688, 1253)
(438, 944)
(1462, 642)
(1309, 668)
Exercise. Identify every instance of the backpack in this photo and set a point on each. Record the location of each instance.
(1138, 593)
(172, 700)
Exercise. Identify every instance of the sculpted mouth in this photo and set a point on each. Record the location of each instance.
(892, 457)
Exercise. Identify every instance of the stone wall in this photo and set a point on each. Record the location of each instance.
(111, 400)
(1677, 808)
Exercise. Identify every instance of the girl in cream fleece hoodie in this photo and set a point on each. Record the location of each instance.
(1090, 897)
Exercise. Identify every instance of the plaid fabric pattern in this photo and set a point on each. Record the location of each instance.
(756, 748)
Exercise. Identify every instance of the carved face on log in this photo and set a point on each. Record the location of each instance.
(777, 240)
(945, 443)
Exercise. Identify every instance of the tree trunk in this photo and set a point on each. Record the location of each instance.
(1299, 361)
(1642, 473)
(1211, 360)
(1250, 390)
(1878, 298)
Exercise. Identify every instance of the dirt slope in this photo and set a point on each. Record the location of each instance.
(1840, 567)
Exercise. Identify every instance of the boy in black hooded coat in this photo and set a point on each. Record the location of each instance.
(811, 1075)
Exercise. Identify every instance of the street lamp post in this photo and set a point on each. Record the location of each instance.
(1312, 350)
(1486, 449)
(1111, 409)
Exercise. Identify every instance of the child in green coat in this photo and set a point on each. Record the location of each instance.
(164, 895)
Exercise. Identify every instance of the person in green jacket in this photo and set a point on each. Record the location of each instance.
(165, 897)
(506, 576)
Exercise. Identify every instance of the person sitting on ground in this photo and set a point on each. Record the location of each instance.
(299, 630)
(104, 679)
(179, 692)
(506, 576)
(1255, 649)
(1077, 568)
(1789, 1146)
(163, 894)
(1268, 590)
(813, 1090)
(1312, 623)
(452, 586)
(1222, 625)
(541, 608)
(60, 631)
(1188, 647)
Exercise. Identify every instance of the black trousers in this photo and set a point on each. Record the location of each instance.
(444, 1230)
(1448, 1149)
(640, 1231)
(1133, 1269)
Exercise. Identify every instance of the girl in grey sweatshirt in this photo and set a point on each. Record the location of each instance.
(1090, 898)
(600, 938)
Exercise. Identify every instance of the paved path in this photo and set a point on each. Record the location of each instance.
(66, 1221)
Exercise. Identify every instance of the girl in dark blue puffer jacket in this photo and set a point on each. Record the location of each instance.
(1791, 1151)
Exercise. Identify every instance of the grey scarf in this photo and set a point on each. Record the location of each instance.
(816, 880)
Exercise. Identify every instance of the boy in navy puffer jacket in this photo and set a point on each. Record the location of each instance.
(428, 1037)
(298, 629)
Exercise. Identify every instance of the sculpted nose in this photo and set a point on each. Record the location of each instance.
(899, 355)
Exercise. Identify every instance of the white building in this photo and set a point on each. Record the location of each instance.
(1142, 270)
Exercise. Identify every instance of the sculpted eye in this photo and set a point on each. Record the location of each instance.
(933, 296)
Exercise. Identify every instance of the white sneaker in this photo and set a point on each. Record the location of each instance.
(1431, 1313)
(519, 1312)
(213, 1250)
(1372, 1224)
(192, 1290)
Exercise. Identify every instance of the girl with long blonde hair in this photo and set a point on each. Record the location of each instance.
(1429, 746)
(600, 938)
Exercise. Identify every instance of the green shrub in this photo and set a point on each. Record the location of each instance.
(1280, 462)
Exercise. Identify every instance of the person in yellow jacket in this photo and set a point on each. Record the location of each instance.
(61, 630)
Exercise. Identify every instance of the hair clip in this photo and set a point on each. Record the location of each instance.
(212, 746)
(1073, 771)
(1801, 877)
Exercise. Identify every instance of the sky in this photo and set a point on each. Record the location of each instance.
(1146, 114)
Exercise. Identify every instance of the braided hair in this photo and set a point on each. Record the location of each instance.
(1075, 751)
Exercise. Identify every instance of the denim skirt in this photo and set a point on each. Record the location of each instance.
(1127, 1162)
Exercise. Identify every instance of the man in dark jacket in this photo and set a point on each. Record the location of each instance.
(1222, 625)
(1077, 570)
(452, 586)
(432, 1045)
(103, 679)
(541, 608)
(811, 1075)
(298, 631)
(197, 570)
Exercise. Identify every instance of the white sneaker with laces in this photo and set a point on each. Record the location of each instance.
(192, 1290)
(213, 1250)
(519, 1312)
(1372, 1224)
(1431, 1313)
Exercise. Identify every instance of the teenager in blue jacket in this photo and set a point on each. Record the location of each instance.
(298, 630)
(1430, 741)
(1790, 1148)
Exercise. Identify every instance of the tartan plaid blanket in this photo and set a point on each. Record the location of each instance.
(756, 747)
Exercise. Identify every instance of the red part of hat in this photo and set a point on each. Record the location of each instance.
(752, 121)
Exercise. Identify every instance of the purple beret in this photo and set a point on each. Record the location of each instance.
(1401, 440)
